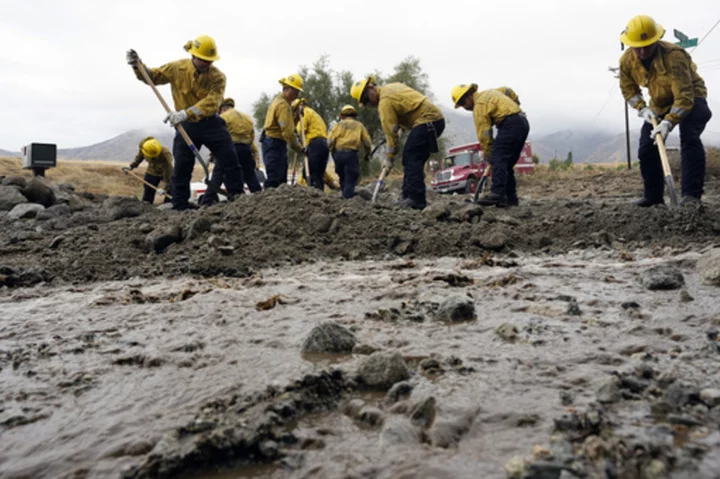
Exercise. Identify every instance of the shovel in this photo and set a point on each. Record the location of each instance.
(304, 145)
(666, 167)
(127, 171)
(385, 170)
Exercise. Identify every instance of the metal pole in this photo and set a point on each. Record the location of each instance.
(627, 122)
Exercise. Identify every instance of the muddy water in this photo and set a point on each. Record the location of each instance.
(93, 376)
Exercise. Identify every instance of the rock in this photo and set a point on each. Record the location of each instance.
(383, 369)
(364, 194)
(38, 190)
(663, 277)
(320, 222)
(269, 449)
(423, 414)
(353, 407)
(372, 416)
(329, 338)
(25, 210)
(364, 349)
(160, 241)
(73, 201)
(494, 241)
(573, 309)
(609, 391)
(55, 211)
(710, 397)
(118, 207)
(398, 392)
(447, 433)
(456, 309)
(437, 211)
(55, 243)
(197, 227)
(655, 470)
(10, 197)
(516, 467)
(14, 181)
(679, 394)
(685, 296)
(398, 431)
(468, 213)
(507, 331)
(708, 267)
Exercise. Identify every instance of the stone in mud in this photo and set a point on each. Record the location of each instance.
(18, 181)
(662, 277)
(371, 416)
(398, 431)
(118, 207)
(573, 309)
(507, 332)
(456, 309)
(197, 227)
(710, 397)
(329, 338)
(468, 213)
(269, 449)
(364, 349)
(423, 413)
(516, 467)
(398, 392)
(448, 432)
(38, 190)
(72, 201)
(320, 222)
(383, 369)
(10, 197)
(493, 241)
(437, 211)
(25, 210)
(353, 407)
(55, 211)
(678, 394)
(708, 266)
(609, 391)
(160, 241)
(364, 194)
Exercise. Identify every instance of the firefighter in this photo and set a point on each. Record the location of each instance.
(279, 132)
(313, 129)
(399, 106)
(677, 97)
(346, 139)
(494, 107)
(197, 90)
(242, 131)
(160, 167)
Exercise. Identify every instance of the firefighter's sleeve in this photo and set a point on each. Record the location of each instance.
(389, 121)
(285, 120)
(167, 169)
(138, 159)
(483, 126)
(630, 89)
(332, 138)
(366, 140)
(682, 87)
(159, 76)
(209, 105)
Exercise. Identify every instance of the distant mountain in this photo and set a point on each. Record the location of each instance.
(8, 153)
(121, 148)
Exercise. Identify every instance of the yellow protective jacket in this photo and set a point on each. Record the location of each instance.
(672, 81)
(510, 93)
(349, 134)
(279, 123)
(200, 94)
(161, 166)
(491, 107)
(403, 106)
(313, 125)
(242, 130)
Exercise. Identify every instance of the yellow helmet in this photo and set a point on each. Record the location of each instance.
(358, 88)
(297, 102)
(229, 102)
(348, 110)
(204, 48)
(641, 31)
(151, 148)
(459, 91)
(293, 81)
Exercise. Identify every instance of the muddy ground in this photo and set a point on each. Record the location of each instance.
(573, 336)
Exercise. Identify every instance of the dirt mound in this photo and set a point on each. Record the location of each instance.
(290, 225)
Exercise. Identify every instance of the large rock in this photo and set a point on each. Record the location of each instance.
(25, 210)
(437, 211)
(662, 277)
(329, 338)
(118, 207)
(39, 191)
(456, 309)
(398, 430)
(468, 213)
(710, 396)
(197, 227)
(160, 241)
(55, 211)
(383, 369)
(10, 197)
(494, 241)
(709, 267)
(14, 181)
(73, 201)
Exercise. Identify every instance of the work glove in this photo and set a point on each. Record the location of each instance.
(647, 114)
(388, 163)
(664, 129)
(161, 191)
(176, 117)
(304, 151)
(132, 58)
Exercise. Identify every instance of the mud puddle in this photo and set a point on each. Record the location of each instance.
(153, 378)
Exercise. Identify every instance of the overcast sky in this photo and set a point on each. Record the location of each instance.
(63, 76)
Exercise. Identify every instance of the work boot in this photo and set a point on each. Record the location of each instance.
(688, 200)
(493, 199)
(410, 203)
(513, 201)
(646, 202)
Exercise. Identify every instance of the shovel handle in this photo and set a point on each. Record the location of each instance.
(666, 166)
(127, 171)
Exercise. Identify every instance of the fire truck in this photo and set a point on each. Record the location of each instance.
(465, 168)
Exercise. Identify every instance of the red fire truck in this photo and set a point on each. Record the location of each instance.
(463, 169)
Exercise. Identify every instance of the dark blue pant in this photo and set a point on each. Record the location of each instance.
(692, 153)
(318, 154)
(347, 167)
(247, 163)
(274, 153)
(149, 193)
(421, 141)
(508, 144)
(212, 133)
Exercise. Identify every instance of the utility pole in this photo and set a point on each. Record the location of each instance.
(616, 71)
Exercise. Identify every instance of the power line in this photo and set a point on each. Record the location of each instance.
(706, 35)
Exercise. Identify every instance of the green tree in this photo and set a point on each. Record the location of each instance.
(536, 159)
(568, 162)
(554, 164)
(259, 110)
